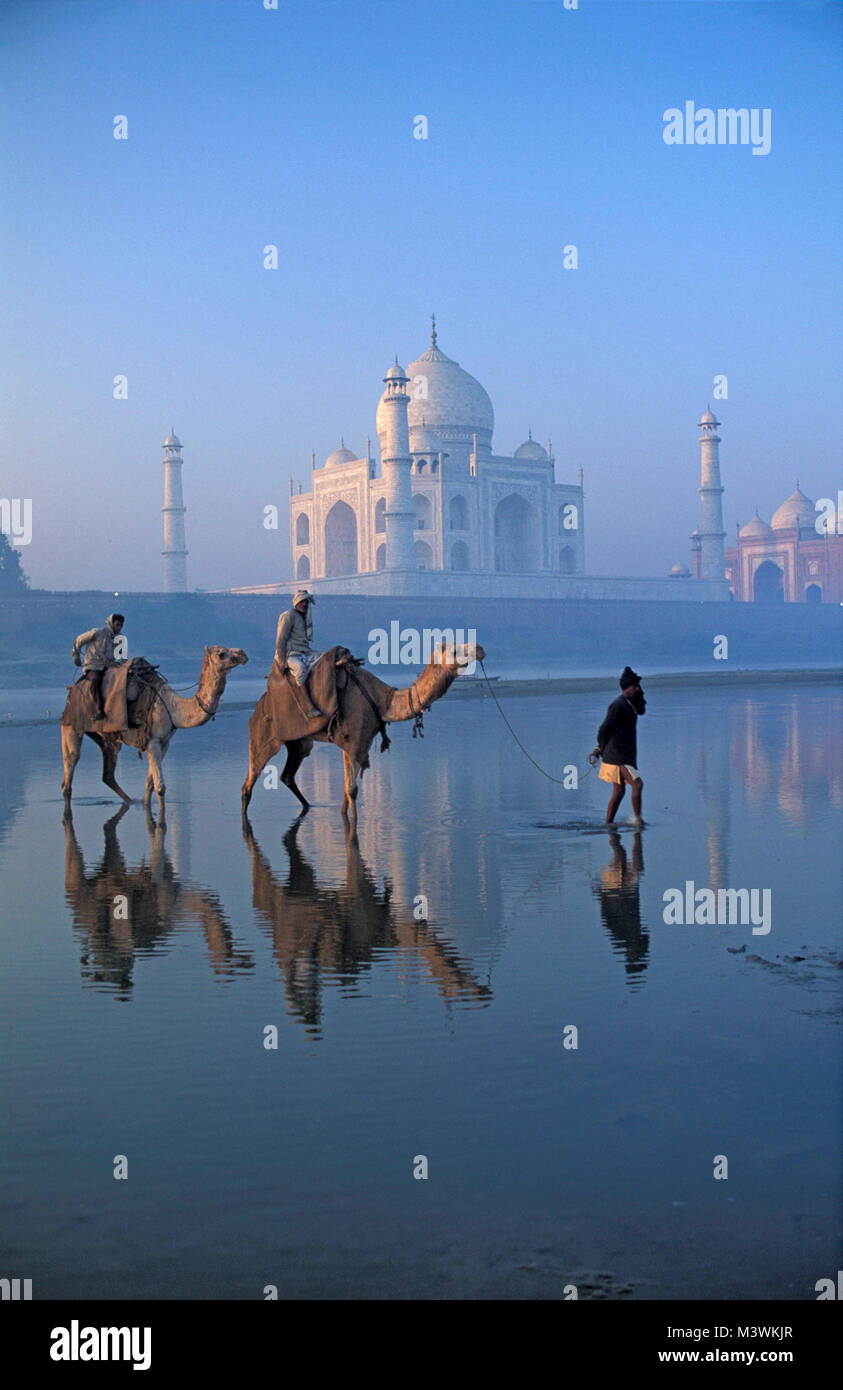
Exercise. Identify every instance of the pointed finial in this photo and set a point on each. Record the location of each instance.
(342, 441)
(530, 432)
(433, 330)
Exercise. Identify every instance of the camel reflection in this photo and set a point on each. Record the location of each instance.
(124, 911)
(327, 935)
(620, 907)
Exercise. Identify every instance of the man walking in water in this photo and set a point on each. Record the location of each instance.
(293, 651)
(99, 654)
(616, 744)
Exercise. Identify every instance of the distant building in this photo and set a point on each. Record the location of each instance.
(439, 513)
(786, 561)
(442, 499)
(175, 547)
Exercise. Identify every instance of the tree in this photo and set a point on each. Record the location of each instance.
(12, 578)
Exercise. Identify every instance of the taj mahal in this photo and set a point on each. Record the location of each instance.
(436, 510)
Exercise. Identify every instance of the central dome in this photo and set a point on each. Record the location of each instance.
(447, 400)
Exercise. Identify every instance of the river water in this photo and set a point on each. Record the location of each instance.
(428, 980)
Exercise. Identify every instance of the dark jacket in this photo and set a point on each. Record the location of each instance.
(616, 735)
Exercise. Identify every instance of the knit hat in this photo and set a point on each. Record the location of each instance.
(628, 678)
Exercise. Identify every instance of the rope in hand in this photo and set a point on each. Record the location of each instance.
(530, 758)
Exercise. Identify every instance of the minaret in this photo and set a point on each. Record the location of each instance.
(175, 549)
(397, 462)
(712, 535)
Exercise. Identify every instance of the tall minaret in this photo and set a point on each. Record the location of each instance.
(175, 549)
(712, 535)
(397, 464)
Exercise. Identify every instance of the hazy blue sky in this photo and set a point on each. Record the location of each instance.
(295, 127)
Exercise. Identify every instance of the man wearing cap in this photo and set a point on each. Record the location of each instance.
(99, 654)
(616, 745)
(293, 651)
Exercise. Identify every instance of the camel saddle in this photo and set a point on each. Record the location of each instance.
(288, 701)
(120, 712)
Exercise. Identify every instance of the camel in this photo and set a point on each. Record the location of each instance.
(170, 712)
(354, 732)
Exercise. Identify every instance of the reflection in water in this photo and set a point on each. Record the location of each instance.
(783, 748)
(157, 899)
(325, 935)
(620, 907)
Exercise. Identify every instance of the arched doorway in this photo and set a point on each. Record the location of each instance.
(513, 534)
(380, 558)
(768, 584)
(459, 514)
(303, 568)
(340, 541)
(424, 556)
(566, 560)
(813, 594)
(459, 556)
(424, 512)
(380, 514)
(302, 529)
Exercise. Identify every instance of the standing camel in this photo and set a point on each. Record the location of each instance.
(360, 720)
(170, 712)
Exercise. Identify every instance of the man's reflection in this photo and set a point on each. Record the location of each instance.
(123, 910)
(331, 934)
(620, 905)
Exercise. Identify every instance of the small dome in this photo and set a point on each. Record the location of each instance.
(708, 418)
(680, 572)
(530, 449)
(340, 455)
(798, 510)
(424, 441)
(172, 442)
(755, 529)
(396, 373)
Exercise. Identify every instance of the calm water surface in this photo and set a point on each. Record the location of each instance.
(445, 1037)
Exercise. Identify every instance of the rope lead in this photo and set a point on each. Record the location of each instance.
(528, 756)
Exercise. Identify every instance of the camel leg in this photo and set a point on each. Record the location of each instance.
(155, 777)
(71, 747)
(110, 754)
(263, 745)
(296, 754)
(350, 787)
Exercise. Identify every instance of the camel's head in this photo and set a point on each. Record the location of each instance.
(459, 658)
(224, 659)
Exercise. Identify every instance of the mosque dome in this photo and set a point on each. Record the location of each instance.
(755, 529)
(797, 510)
(172, 442)
(396, 373)
(680, 572)
(424, 441)
(708, 418)
(451, 402)
(340, 455)
(530, 449)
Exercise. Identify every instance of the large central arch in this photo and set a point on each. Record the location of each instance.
(768, 583)
(514, 535)
(340, 541)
